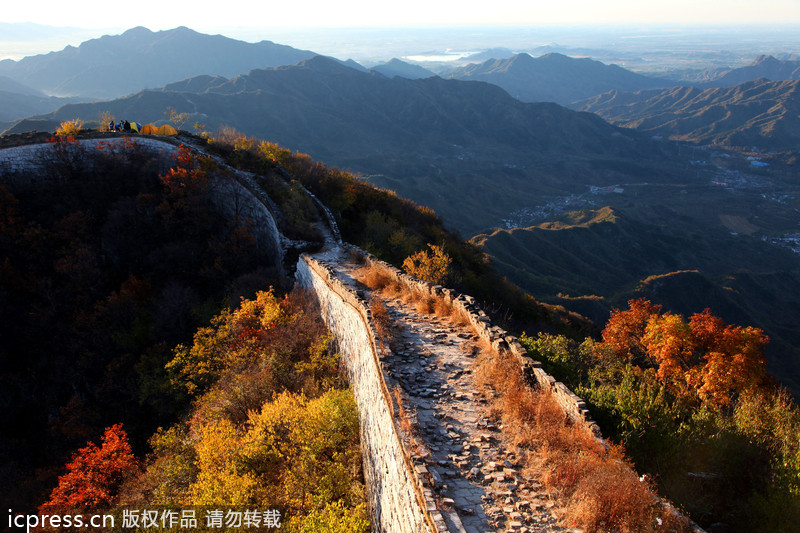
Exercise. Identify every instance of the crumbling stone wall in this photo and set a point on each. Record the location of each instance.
(398, 500)
(500, 341)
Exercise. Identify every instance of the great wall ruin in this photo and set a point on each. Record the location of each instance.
(451, 471)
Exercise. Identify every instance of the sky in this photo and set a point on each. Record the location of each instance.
(210, 16)
(359, 28)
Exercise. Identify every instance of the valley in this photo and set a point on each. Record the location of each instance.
(721, 239)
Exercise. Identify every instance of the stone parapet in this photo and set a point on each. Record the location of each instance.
(398, 497)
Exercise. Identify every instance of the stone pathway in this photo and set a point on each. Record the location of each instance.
(477, 483)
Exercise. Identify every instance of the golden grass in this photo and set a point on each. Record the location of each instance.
(380, 279)
(424, 304)
(405, 419)
(599, 488)
(384, 325)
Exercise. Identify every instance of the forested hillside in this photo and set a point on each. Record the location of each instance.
(760, 113)
(122, 281)
(596, 259)
(109, 261)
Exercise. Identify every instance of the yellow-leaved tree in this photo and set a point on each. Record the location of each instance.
(433, 266)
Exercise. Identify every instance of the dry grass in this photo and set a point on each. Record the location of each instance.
(408, 425)
(424, 304)
(379, 279)
(384, 325)
(600, 490)
(356, 256)
(406, 421)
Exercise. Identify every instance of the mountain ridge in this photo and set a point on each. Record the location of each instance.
(554, 77)
(396, 67)
(400, 131)
(760, 113)
(115, 65)
(764, 66)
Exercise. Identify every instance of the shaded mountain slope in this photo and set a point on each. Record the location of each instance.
(611, 251)
(599, 259)
(431, 140)
(764, 66)
(112, 66)
(759, 113)
(10, 86)
(554, 77)
(396, 67)
(14, 105)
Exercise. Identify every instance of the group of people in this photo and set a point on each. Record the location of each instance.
(148, 129)
(124, 126)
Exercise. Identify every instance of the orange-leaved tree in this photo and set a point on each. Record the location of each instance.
(734, 360)
(94, 474)
(704, 357)
(625, 328)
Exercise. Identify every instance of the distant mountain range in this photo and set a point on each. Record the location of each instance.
(18, 101)
(7, 85)
(15, 106)
(112, 66)
(764, 66)
(396, 67)
(418, 137)
(554, 77)
(759, 113)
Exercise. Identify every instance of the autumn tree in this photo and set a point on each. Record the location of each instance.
(625, 328)
(104, 118)
(177, 119)
(433, 266)
(223, 477)
(269, 425)
(70, 127)
(733, 358)
(307, 449)
(703, 357)
(94, 474)
(281, 337)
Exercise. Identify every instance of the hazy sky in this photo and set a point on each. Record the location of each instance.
(204, 16)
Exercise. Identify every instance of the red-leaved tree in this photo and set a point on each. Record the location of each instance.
(94, 474)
